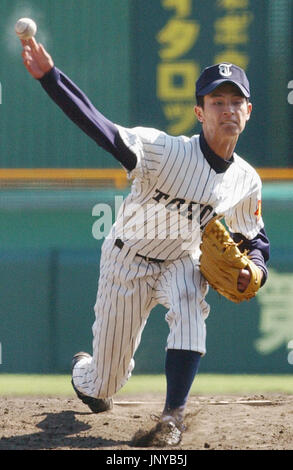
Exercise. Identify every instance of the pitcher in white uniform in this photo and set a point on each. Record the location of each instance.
(151, 255)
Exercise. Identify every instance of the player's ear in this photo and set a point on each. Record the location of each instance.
(249, 109)
(198, 111)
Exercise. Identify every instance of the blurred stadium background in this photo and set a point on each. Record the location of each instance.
(137, 61)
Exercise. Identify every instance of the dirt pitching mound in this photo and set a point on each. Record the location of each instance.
(213, 423)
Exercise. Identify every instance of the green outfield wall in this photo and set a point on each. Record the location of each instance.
(91, 45)
(138, 61)
(48, 279)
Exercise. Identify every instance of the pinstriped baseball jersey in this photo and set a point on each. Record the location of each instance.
(175, 192)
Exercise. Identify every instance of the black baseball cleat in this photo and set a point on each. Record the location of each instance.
(96, 405)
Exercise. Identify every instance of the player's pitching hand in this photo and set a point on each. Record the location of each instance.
(243, 280)
(35, 58)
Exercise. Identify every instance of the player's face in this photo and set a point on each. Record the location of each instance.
(225, 112)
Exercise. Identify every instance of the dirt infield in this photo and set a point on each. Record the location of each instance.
(214, 423)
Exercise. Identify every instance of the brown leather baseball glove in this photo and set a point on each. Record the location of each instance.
(221, 262)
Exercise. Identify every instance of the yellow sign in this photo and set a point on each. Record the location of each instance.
(176, 75)
(276, 319)
(232, 32)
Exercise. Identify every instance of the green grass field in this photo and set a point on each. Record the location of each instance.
(218, 384)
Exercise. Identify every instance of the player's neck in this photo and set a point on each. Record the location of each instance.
(221, 146)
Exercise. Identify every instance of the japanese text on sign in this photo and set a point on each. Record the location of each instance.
(176, 74)
(232, 32)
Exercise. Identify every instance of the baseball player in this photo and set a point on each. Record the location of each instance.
(151, 255)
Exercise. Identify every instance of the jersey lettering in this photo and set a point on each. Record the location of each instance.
(186, 209)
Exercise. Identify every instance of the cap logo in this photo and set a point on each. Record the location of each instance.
(225, 70)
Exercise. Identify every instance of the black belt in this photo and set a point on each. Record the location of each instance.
(120, 244)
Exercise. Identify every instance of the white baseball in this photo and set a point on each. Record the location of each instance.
(25, 28)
